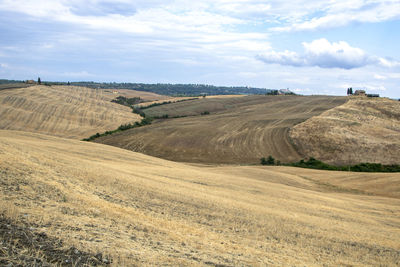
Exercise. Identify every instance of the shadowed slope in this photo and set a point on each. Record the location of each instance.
(239, 130)
(143, 210)
(66, 111)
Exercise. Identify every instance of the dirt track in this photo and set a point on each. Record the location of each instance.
(239, 130)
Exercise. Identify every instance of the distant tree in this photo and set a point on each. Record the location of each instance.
(39, 81)
(263, 161)
(348, 91)
(68, 83)
(270, 160)
(351, 90)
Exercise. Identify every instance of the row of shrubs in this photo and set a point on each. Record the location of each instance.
(122, 100)
(166, 102)
(313, 163)
(166, 116)
(145, 121)
(122, 127)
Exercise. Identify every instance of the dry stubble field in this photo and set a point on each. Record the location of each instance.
(361, 130)
(238, 130)
(65, 111)
(148, 211)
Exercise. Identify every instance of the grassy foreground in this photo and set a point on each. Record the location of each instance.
(142, 210)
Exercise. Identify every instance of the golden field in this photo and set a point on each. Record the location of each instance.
(65, 111)
(361, 130)
(238, 130)
(141, 210)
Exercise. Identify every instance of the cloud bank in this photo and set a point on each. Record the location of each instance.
(321, 53)
(204, 41)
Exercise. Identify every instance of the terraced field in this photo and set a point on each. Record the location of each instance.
(238, 130)
(362, 130)
(66, 111)
(134, 209)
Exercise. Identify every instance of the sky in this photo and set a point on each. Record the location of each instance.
(308, 46)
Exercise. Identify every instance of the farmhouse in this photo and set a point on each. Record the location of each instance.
(360, 93)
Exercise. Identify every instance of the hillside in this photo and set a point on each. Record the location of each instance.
(362, 130)
(237, 130)
(142, 210)
(66, 111)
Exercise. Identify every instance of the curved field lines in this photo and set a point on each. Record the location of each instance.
(362, 130)
(240, 130)
(65, 111)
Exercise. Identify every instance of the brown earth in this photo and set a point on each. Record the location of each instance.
(65, 111)
(362, 130)
(238, 130)
(140, 210)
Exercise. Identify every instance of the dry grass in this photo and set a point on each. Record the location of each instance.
(148, 211)
(238, 130)
(362, 130)
(66, 111)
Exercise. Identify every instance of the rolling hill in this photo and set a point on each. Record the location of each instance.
(361, 130)
(65, 111)
(141, 210)
(238, 130)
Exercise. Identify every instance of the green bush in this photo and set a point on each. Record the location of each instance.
(312, 163)
(122, 100)
(122, 127)
(268, 161)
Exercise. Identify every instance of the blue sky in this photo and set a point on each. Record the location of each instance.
(309, 46)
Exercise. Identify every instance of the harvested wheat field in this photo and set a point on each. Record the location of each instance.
(361, 130)
(238, 130)
(65, 111)
(135, 209)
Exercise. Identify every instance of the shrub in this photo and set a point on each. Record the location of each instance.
(122, 100)
(122, 127)
(269, 161)
(362, 167)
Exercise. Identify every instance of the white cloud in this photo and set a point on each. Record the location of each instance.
(379, 77)
(323, 54)
(343, 12)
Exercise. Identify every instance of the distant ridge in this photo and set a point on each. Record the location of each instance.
(166, 88)
(179, 89)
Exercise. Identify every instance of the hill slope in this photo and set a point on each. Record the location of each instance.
(238, 130)
(144, 210)
(362, 130)
(66, 111)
